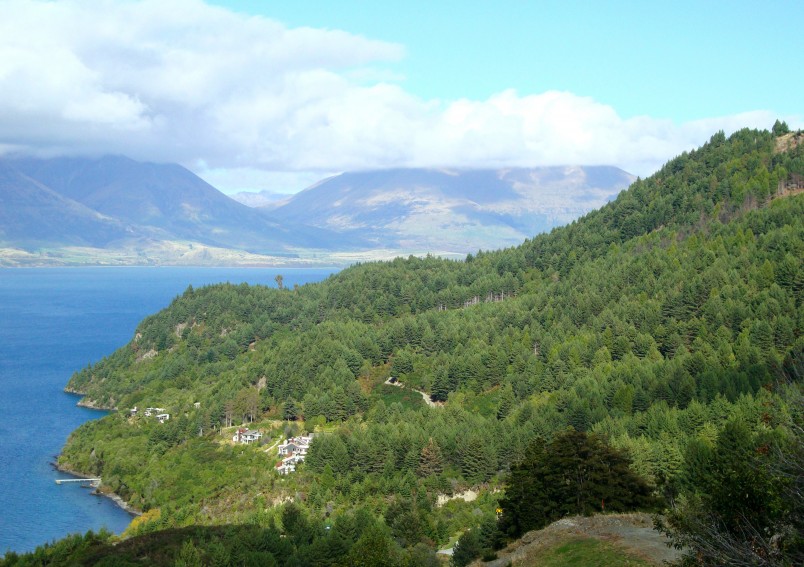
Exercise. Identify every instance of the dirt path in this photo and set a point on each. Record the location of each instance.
(632, 532)
(273, 446)
(425, 395)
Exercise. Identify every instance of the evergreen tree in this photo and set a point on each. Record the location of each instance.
(744, 506)
(506, 404)
(374, 548)
(467, 549)
(431, 460)
(575, 474)
(780, 128)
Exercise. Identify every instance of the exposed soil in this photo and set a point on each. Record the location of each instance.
(789, 141)
(634, 533)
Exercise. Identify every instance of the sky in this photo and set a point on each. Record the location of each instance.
(275, 95)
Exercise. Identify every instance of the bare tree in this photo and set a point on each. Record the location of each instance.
(228, 409)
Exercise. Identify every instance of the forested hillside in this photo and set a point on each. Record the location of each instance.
(668, 324)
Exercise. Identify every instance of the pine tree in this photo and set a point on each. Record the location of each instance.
(506, 404)
(374, 548)
(431, 460)
(575, 474)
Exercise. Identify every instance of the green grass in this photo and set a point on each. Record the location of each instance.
(484, 404)
(586, 553)
(394, 394)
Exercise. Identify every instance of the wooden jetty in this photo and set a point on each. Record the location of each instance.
(90, 481)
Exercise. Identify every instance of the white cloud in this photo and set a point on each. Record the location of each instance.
(184, 81)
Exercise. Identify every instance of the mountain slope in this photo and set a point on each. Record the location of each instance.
(34, 215)
(454, 210)
(169, 202)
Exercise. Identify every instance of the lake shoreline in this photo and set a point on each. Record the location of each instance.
(54, 322)
(116, 498)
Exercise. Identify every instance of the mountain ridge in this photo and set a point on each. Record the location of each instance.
(143, 212)
(153, 202)
(50, 216)
(460, 210)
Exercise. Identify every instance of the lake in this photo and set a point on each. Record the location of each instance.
(54, 321)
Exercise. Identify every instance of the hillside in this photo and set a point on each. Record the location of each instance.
(668, 323)
(453, 210)
(620, 540)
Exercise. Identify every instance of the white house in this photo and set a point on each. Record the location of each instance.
(163, 417)
(153, 411)
(294, 450)
(284, 469)
(288, 465)
(296, 445)
(246, 436)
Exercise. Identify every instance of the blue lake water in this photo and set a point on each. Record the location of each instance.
(54, 321)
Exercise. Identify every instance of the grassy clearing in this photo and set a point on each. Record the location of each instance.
(394, 394)
(586, 552)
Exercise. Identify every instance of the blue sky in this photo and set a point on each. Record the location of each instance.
(256, 95)
(682, 60)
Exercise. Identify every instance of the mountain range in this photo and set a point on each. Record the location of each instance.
(453, 210)
(123, 211)
(116, 210)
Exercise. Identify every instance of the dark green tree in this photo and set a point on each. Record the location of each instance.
(744, 506)
(291, 411)
(374, 548)
(467, 549)
(507, 401)
(780, 127)
(577, 473)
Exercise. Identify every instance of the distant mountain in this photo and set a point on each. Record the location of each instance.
(31, 214)
(121, 198)
(153, 213)
(453, 210)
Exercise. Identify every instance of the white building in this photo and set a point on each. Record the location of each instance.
(246, 436)
(284, 469)
(294, 450)
(296, 445)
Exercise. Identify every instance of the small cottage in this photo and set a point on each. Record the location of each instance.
(296, 445)
(246, 436)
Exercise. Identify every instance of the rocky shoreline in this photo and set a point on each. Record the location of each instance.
(85, 402)
(98, 492)
(91, 404)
